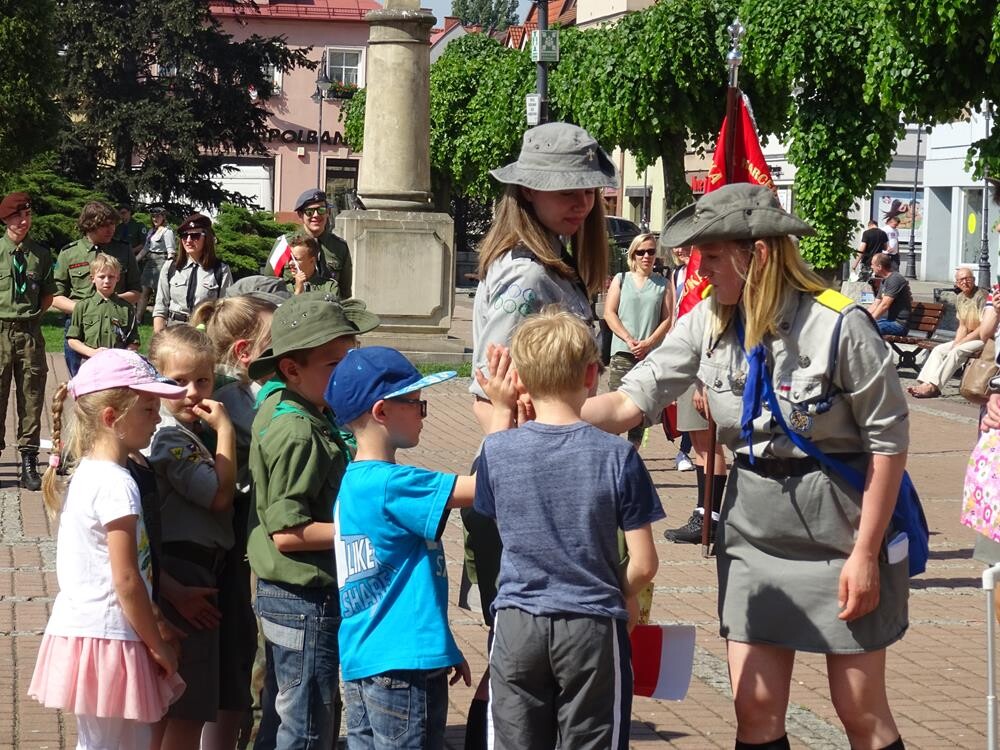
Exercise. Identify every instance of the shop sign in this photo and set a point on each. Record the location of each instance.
(304, 136)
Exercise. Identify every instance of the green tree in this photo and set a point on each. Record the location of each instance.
(27, 76)
(159, 96)
(493, 15)
(245, 237)
(840, 139)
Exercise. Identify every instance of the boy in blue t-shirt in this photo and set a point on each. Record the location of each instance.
(560, 670)
(396, 649)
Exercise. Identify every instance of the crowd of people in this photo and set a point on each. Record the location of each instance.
(258, 443)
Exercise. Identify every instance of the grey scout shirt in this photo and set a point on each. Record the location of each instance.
(868, 411)
(516, 286)
(172, 289)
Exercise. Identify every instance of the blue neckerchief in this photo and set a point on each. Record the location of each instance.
(754, 390)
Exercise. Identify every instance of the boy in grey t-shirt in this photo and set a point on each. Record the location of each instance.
(560, 664)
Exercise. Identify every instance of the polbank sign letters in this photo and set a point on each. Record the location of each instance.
(303, 136)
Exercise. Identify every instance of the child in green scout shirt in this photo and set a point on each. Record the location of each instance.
(26, 289)
(103, 320)
(297, 460)
(307, 275)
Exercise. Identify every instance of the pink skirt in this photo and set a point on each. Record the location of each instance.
(102, 677)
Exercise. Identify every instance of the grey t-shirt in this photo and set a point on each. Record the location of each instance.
(896, 286)
(559, 514)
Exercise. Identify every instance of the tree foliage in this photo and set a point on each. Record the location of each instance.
(159, 97)
(27, 78)
(493, 15)
(245, 238)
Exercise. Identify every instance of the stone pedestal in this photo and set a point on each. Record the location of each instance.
(395, 171)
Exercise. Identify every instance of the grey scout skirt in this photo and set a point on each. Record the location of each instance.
(781, 545)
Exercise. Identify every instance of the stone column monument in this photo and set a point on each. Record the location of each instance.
(404, 260)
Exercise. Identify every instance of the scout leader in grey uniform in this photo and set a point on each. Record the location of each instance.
(26, 290)
(97, 224)
(802, 559)
(194, 275)
(335, 257)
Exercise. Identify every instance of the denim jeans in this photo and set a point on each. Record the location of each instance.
(405, 709)
(890, 327)
(300, 703)
(73, 359)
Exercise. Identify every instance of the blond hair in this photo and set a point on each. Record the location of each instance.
(177, 339)
(634, 246)
(768, 283)
(229, 319)
(87, 429)
(515, 224)
(102, 261)
(551, 351)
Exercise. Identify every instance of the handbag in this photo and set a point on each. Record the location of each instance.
(975, 385)
(981, 491)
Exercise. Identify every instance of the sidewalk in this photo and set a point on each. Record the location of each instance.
(936, 675)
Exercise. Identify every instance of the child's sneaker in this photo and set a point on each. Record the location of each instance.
(683, 463)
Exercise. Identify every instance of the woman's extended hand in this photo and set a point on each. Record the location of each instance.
(501, 387)
(700, 404)
(858, 592)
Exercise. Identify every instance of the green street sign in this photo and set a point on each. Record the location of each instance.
(545, 45)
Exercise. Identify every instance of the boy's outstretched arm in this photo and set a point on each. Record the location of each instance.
(642, 560)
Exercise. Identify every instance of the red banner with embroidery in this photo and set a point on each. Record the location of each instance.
(749, 164)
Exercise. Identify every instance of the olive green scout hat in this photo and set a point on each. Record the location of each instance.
(741, 211)
(310, 320)
(559, 156)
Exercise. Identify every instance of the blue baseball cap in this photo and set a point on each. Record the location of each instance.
(371, 374)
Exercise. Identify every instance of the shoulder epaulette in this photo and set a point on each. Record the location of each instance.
(834, 300)
(522, 253)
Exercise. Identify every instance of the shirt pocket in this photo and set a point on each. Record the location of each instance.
(79, 279)
(724, 392)
(804, 399)
(6, 279)
(208, 287)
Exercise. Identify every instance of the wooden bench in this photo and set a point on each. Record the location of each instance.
(925, 317)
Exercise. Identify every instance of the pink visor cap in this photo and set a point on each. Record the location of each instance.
(122, 368)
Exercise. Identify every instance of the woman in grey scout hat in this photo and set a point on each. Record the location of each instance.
(553, 197)
(803, 562)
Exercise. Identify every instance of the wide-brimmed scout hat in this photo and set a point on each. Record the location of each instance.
(741, 211)
(268, 288)
(366, 376)
(310, 320)
(559, 156)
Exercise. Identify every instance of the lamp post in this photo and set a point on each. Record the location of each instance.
(542, 69)
(984, 244)
(911, 260)
(323, 84)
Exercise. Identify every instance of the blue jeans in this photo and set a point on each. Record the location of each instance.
(300, 701)
(405, 709)
(73, 359)
(890, 327)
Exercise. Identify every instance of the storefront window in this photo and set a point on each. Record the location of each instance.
(972, 231)
(344, 66)
(341, 182)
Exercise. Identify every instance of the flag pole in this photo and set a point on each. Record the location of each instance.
(734, 58)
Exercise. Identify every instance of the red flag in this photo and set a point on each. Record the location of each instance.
(696, 287)
(749, 159)
(662, 658)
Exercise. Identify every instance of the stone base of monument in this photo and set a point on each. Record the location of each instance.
(421, 347)
(404, 270)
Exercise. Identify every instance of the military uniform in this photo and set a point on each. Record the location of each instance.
(787, 526)
(22, 348)
(72, 277)
(335, 261)
(319, 282)
(104, 322)
(181, 290)
(131, 233)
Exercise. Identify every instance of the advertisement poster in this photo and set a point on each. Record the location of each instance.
(885, 202)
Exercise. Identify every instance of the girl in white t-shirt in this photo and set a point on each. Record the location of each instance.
(104, 655)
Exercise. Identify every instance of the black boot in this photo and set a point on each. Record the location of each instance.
(29, 471)
(690, 532)
(779, 744)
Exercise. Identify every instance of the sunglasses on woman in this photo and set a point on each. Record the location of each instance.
(318, 211)
(640, 253)
(192, 235)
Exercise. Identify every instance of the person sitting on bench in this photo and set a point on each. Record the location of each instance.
(891, 308)
(945, 359)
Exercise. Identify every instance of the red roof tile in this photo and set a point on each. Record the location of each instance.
(308, 10)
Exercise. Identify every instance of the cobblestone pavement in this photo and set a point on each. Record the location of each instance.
(936, 674)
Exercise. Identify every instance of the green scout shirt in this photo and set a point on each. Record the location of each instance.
(337, 259)
(72, 272)
(297, 461)
(17, 304)
(318, 283)
(104, 322)
(132, 233)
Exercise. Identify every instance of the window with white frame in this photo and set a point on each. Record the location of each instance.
(345, 65)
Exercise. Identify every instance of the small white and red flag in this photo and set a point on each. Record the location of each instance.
(281, 253)
(662, 658)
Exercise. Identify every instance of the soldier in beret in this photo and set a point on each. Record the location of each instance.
(97, 224)
(334, 261)
(805, 561)
(26, 290)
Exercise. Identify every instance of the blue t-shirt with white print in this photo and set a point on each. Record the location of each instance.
(391, 569)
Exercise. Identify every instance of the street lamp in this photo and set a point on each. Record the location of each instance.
(911, 260)
(984, 246)
(323, 84)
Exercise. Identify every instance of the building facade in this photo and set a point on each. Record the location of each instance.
(302, 153)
